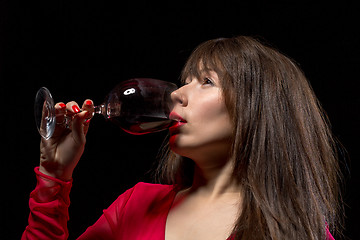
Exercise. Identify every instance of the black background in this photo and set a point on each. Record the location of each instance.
(81, 49)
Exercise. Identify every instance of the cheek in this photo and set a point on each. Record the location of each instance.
(216, 123)
(217, 129)
(209, 125)
(213, 113)
(213, 124)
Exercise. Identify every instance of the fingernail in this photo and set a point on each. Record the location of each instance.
(75, 108)
(88, 102)
(62, 105)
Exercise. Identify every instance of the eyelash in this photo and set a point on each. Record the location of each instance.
(207, 80)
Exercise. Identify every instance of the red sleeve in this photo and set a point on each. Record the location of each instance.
(49, 203)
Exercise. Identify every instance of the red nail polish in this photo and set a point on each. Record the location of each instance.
(75, 108)
(62, 105)
(88, 102)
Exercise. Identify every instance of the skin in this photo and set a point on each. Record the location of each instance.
(209, 208)
(205, 137)
(60, 154)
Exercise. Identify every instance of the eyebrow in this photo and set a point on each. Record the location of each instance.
(210, 72)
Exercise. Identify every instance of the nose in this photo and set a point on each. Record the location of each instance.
(179, 97)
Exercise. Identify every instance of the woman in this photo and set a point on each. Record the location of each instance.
(251, 157)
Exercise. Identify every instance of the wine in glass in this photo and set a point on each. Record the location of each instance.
(139, 106)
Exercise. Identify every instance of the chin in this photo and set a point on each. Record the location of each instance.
(178, 148)
(188, 147)
(174, 145)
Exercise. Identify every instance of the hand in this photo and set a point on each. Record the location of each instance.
(60, 154)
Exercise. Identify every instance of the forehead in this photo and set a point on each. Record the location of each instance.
(197, 69)
(207, 57)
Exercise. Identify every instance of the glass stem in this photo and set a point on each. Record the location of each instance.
(100, 109)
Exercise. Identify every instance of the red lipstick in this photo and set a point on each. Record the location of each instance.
(176, 117)
(179, 122)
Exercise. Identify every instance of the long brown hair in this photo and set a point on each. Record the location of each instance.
(285, 154)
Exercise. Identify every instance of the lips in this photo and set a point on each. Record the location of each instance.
(176, 117)
(174, 129)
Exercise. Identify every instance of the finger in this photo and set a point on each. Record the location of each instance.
(80, 125)
(88, 105)
(72, 108)
(60, 111)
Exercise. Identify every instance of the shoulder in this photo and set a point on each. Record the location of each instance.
(144, 199)
(143, 193)
(150, 188)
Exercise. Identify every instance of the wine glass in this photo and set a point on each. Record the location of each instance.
(139, 106)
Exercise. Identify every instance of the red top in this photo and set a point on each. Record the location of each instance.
(139, 213)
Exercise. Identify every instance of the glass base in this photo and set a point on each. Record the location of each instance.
(44, 110)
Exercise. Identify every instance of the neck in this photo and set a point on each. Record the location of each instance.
(214, 181)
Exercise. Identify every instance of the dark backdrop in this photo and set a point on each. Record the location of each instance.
(81, 49)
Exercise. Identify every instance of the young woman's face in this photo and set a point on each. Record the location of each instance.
(205, 128)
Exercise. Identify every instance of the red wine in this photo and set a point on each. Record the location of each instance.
(142, 124)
